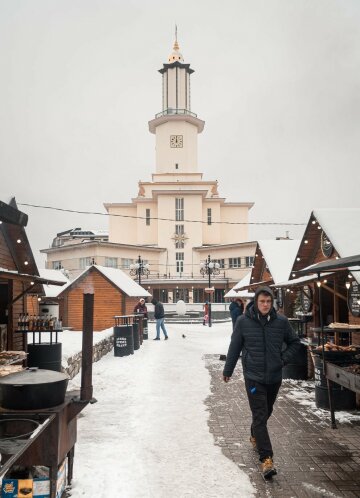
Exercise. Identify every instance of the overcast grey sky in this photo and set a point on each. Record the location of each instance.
(276, 81)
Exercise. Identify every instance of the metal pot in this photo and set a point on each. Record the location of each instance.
(33, 389)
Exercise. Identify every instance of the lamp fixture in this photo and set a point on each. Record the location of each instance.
(318, 283)
(26, 263)
(18, 241)
(297, 259)
(313, 222)
(347, 285)
(306, 241)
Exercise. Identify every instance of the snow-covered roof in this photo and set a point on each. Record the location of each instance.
(300, 280)
(342, 228)
(244, 282)
(53, 290)
(118, 278)
(279, 256)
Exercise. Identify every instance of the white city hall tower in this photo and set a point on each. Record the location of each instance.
(179, 219)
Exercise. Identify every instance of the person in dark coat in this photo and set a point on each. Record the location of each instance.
(141, 308)
(260, 334)
(236, 309)
(159, 315)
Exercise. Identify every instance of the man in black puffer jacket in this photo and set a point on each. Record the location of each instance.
(261, 334)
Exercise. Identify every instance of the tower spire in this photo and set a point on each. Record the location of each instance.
(176, 45)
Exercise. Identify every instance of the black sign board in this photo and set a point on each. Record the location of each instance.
(280, 297)
(354, 299)
(326, 246)
(306, 299)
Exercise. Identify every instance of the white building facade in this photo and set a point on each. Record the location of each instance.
(178, 219)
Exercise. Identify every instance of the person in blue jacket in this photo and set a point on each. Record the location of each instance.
(236, 309)
(267, 342)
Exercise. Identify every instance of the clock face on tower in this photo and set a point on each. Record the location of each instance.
(176, 140)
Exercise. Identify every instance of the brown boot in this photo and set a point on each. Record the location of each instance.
(267, 468)
(253, 442)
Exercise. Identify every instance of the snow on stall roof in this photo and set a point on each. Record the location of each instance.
(53, 290)
(244, 282)
(279, 256)
(118, 278)
(342, 228)
(123, 281)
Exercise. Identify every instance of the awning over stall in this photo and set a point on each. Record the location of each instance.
(35, 283)
(335, 264)
(301, 280)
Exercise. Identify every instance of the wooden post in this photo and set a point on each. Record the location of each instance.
(86, 391)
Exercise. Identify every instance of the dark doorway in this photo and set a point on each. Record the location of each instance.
(4, 301)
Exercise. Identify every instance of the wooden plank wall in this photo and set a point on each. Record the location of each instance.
(108, 302)
(14, 341)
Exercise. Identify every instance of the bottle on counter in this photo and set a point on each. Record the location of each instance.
(60, 324)
(20, 321)
(26, 324)
(31, 321)
(51, 323)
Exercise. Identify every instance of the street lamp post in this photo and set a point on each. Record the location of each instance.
(139, 268)
(209, 268)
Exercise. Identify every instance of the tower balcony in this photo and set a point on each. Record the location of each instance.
(171, 114)
(183, 112)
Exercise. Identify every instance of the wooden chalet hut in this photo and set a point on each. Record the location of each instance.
(272, 263)
(330, 234)
(115, 293)
(20, 283)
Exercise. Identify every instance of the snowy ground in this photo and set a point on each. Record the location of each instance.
(148, 436)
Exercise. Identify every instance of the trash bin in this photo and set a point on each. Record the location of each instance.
(45, 356)
(145, 329)
(136, 334)
(123, 340)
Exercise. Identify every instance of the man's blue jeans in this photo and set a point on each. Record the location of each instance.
(160, 324)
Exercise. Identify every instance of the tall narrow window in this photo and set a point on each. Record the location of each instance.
(220, 261)
(179, 209)
(148, 216)
(84, 262)
(234, 262)
(249, 261)
(209, 216)
(110, 262)
(179, 262)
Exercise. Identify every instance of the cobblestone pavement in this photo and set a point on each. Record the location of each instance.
(312, 459)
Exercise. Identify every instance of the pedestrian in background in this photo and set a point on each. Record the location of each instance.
(141, 308)
(260, 334)
(159, 315)
(236, 309)
(206, 313)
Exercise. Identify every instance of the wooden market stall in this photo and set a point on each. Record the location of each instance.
(346, 372)
(115, 294)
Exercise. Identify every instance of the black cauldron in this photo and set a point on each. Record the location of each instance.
(33, 389)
